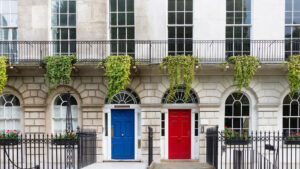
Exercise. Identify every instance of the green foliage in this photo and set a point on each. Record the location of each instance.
(232, 135)
(294, 73)
(67, 135)
(59, 69)
(10, 135)
(180, 68)
(244, 69)
(3, 75)
(118, 72)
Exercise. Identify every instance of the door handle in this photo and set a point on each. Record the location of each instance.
(112, 132)
(122, 135)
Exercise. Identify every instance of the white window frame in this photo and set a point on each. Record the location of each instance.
(289, 117)
(58, 27)
(12, 118)
(184, 25)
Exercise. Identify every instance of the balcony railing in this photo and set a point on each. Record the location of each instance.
(149, 52)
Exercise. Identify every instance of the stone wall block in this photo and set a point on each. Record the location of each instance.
(39, 80)
(28, 79)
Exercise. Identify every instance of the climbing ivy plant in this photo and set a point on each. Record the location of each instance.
(58, 69)
(181, 68)
(117, 70)
(293, 65)
(244, 69)
(3, 75)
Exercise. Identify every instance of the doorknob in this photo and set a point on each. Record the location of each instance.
(122, 135)
(112, 132)
(179, 139)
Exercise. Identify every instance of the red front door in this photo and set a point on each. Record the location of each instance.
(179, 134)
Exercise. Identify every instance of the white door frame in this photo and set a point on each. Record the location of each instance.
(107, 139)
(194, 139)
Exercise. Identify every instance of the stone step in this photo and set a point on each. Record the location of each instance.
(180, 165)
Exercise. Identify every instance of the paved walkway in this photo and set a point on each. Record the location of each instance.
(118, 165)
(181, 165)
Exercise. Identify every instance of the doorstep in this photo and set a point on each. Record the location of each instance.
(179, 160)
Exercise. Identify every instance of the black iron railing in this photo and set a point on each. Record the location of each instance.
(150, 145)
(35, 151)
(255, 150)
(212, 136)
(150, 52)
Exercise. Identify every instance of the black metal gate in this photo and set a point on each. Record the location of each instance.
(212, 146)
(87, 153)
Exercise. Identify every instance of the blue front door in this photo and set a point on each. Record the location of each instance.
(122, 139)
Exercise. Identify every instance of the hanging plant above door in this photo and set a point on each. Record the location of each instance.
(3, 75)
(244, 69)
(59, 69)
(293, 65)
(181, 68)
(117, 70)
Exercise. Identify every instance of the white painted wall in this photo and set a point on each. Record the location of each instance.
(209, 19)
(151, 19)
(268, 19)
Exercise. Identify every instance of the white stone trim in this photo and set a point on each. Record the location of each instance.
(107, 139)
(164, 140)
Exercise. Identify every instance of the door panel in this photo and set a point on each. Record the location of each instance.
(179, 134)
(122, 141)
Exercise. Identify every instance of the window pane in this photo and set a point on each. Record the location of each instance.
(287, 35)
(130, 33)
(285, 123)
(288, 17)
(55, 34)
(64, 34)
(180, 18)
(171, 5)
(121, 5)
(114, 33)
(189, 18)
(294, 123)
(72, 20)
(180, 32)
(297, 5)
(229, 5)
(238, 17)
(236, 123)
(113, 19)
(247, 5)
(228, 122)
(245, 123)
(130, 5)
(294, 109)
(13, 20)
(171, 32)
(229, 32)
(245, 110)
(228, 110)
(122, 33)
(113, 5)
(237, 32)
(72, 7)
(247, 17)
(296, 18)
(130, 19)
(63, 20)
(230, 18)
(63, 6)
(55, 20)
(180, 5)
(238, 5)
(55, 6)
(121, 18)
(72, 33)
(246, 32)
(237, 109)
(189, 32)
(288, 5)
(189, 5)
(171, 18)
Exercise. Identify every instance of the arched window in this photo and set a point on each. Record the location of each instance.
(237, 112)
(126, 96)
(9, 112)
(179, 97)
(60, 111)
(291, 114)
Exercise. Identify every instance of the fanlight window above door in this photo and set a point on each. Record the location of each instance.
(126, 96)
(179, 97)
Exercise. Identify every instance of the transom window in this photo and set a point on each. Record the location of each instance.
(127, 96)
(8, 27)
(64, 26)
(291, 114)
(60, 112)
(237, 112)
(238, 27)
(122, 27)
(180, 27)
(179, 97)
(292, 28)
(9, 112)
